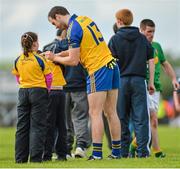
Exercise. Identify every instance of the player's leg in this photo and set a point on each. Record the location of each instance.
(110, 109)
(103, 80)
(113, 121)
(154, 104)
(96, 101)
(154, 126)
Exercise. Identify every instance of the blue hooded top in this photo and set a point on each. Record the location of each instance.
(132, 50)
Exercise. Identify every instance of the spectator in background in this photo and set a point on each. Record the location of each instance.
(147, 27)
(56, 126)
(176, 97)
(34, 77)
(76, 109)
(115, 28)
(133, 51)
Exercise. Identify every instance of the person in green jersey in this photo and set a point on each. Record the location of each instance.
(147, 27)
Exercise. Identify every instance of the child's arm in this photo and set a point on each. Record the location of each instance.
(48, 79)
(17, 79)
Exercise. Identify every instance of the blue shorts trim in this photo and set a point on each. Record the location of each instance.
(103, 79)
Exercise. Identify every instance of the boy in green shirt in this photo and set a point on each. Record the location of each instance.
(147, 28)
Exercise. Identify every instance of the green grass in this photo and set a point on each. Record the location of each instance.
(169, 138)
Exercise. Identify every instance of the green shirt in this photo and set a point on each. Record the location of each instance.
(159, 58)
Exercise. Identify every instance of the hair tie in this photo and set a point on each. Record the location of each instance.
(26, 36)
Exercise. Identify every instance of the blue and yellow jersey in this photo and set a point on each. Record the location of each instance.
(94, 52)
(58, 78)
(31, 70)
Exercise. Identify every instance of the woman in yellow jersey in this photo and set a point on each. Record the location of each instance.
(87, 46)
(34, 78)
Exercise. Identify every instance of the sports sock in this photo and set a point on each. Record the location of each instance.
(116, 146)
(97, 150)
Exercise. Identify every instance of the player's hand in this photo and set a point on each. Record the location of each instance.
(175, 84)
(49, 55)
(151, 89)
(112, 63)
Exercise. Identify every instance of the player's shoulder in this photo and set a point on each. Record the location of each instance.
(155, 43)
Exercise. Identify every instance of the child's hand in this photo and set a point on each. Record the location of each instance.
(49, 55)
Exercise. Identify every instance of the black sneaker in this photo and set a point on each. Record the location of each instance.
(94, 158)
(111, 157)
(47, 159)
(160, 155)
(61, 158)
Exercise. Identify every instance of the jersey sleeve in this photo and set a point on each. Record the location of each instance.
(15, 70)
(45, 66)
(74, 34)
(161, 54)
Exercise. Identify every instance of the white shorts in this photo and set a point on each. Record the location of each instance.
(153, 102)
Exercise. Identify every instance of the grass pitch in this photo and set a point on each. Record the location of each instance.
(169, 140)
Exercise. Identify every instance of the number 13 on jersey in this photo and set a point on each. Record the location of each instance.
(96, 34)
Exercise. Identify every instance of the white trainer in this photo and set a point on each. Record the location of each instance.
(70, 156)
(80, 153)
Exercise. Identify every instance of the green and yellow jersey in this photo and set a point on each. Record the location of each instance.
(159, 58)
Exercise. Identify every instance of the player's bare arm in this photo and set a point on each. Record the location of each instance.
(151, 87)
(70, 57)
(63, 53)
(170, 72)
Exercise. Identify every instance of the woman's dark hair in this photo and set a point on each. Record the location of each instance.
(27, 40)
(57, 10)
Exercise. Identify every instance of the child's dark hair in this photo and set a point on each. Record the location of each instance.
(27, 40)
(115, 28)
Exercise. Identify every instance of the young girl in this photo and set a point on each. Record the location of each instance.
(34, 78)
(56, 126)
